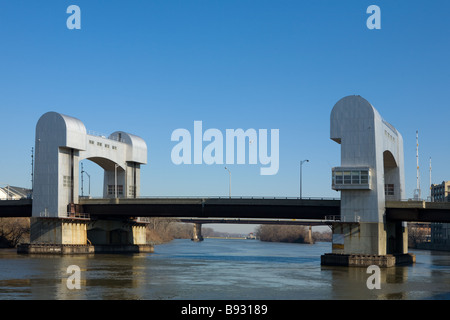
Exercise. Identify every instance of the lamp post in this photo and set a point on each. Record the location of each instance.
(301, 165)
(82, 181)
(229, 172)
(89, 190)
(115, 180)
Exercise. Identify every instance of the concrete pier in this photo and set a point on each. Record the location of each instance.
(84, 236)
(309, 238)
(365, 260)
(197, 236)
(42, 248)
(371, 173)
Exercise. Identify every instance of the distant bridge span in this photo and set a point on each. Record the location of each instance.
(299, 222)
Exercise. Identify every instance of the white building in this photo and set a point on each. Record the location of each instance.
(440, 232)
(14, 193)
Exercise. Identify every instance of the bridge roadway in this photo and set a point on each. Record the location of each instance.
(250, 208)
(15, 208)
(214, 207)
(278, 208)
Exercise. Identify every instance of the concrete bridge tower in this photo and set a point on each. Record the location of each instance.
(371, 172)
(57, 224)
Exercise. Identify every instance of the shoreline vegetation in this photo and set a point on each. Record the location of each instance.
(14, 231)
(290, 234)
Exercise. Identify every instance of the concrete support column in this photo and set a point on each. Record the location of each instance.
(309, 239)
(396, 237)
(371, 172)
(69, 236)
(359, 238)
(197, 236)
(58, 231)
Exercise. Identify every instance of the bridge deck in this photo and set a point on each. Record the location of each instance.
(418, 211)
(213, 207)
(16, 208)
(265, 208)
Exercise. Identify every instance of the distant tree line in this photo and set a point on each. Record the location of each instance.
(282, 233)
(161, 230)
(324, 236)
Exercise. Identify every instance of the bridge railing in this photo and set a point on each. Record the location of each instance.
(338, 218)
(46, 214)
(104, 136)
(226, 197)
(78, 215)
(143, 219)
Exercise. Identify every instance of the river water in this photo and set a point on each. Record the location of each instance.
(218, 269)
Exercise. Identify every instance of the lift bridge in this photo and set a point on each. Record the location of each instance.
(368, 221)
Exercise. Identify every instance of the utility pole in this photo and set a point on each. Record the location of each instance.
(115, 180)
(32, 170)
(229, 172)
(82, 181)
(301, 165)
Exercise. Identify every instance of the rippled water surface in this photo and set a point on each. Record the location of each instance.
(218, 269)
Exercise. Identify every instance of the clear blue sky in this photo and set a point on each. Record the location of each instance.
(150, 67)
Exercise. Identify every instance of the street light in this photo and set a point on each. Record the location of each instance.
(115, 179)
(82, 181)
(301, 165)
(229, 182)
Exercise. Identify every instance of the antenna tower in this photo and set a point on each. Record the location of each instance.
(430, 181)
(32, 168)
(417, 192)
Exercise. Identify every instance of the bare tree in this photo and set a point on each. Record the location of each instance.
(14, 231)
(416, 234)
(324, 236)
